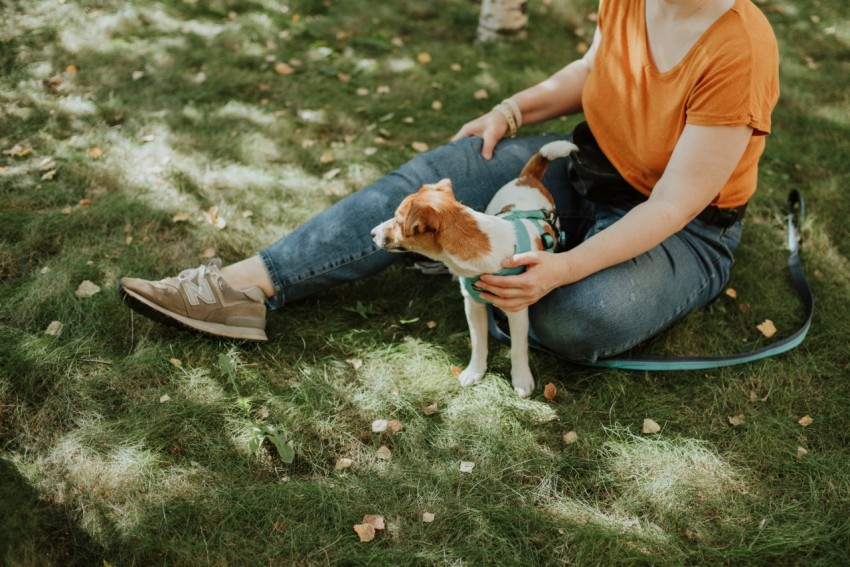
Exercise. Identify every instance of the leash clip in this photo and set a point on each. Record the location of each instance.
(796, 213)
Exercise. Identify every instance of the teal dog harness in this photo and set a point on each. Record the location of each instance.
(540, 219)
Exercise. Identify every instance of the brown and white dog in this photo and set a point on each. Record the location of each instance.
(433, 223)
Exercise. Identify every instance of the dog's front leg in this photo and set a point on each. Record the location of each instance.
(476, 317)
(521, 378)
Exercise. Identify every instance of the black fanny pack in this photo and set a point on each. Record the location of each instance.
(592, 175)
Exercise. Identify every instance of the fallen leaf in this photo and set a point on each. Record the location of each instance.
(212, 217)
(384, 453)
(283, 69)
(95, 153)
(802, 452)
(427, 517)
(768, 329)
(343, 463)
(424, 58)
(326, 157)
(466, 466)
(437, 105)
(175, 362)
(737, 420)
(550, 391)
(208, 254)
(805, 421)
(570, 437)
(356, 363)
(430, 409)
(419, 146)
(54, 329)
(17, 151)
(481, 94)
(456, 370)
(137, 75)
(383, 89)
(431, 324)
(85, 203)
(731, 293)
(374, 520)
(395, 425)
(279, 526)
(164, 398)
(650, 426)
(330, 174)
(366, 532)
(71, 69)
(87, 289)
(180, 217)
(379, 425)
(343, 77)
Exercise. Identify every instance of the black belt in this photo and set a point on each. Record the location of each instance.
(723, 218)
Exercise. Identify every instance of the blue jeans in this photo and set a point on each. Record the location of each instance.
(603, 315)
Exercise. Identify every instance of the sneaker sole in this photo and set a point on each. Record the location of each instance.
(153, 311)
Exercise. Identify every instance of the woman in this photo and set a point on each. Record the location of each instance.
(677, 95)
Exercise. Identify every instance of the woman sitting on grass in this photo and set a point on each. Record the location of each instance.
(677, 95)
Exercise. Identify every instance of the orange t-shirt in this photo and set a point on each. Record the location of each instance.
(729, 77)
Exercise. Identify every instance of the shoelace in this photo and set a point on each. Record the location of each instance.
(196, 273)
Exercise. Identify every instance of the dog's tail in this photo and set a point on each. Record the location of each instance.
(537, 165)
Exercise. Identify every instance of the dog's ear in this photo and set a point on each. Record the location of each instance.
(421, 218)
(443, 185)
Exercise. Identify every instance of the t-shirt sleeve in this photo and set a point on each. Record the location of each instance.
(741, 87)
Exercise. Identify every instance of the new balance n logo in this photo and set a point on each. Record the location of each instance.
(202, 292)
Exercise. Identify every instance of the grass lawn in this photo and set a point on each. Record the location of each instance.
(140, 137)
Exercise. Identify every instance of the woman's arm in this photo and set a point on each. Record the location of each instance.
(702, 162)
(558, 95)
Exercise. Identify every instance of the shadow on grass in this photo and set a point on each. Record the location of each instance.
(34, 531)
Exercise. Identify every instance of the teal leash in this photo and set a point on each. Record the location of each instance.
(796, 210)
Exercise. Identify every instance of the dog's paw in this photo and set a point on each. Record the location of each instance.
(523, 382)
(470, 376)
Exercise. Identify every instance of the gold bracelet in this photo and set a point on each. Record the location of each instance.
(511, 103)
(509, 116)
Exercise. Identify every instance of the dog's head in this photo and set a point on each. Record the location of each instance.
(433, 223)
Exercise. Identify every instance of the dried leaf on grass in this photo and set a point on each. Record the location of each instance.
(466, 466)
(650, 426)
(384, 453)
(550, 391)
(371, 524)
(570, 437)
(427, 517)
(343, 463)
(54, 329)
(737, 420)
(767, 328)
(87, 289)
(805, 421)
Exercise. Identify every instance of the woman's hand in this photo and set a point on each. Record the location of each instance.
(491, 128)
(544, 272)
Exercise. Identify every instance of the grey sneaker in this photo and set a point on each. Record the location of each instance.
(201, 300)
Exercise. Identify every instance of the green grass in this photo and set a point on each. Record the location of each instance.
(109, 451)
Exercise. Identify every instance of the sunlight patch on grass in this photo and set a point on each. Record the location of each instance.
(410, 366)
(197, 386)
(580, 513)
(115, 486)
(669, 476)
